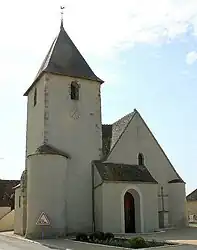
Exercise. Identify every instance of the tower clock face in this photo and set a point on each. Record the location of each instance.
(74, 114)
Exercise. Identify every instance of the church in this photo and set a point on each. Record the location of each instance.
(81, 175)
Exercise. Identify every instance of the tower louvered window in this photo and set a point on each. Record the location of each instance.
(74, 91)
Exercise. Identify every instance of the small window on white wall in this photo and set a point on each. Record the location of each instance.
(140, 159)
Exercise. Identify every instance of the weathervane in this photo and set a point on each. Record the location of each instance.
(62, 14)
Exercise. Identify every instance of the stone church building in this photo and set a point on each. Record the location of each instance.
(82, 175)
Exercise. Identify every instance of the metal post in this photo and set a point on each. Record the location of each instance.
(162, 200)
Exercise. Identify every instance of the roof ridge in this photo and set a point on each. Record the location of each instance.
(131, 113)
(117, 128)
(121, 132)
(45, 61)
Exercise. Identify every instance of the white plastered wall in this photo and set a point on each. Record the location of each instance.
(177, 205)
(80, 138)
(18, 218)
(35, 118)
(113, 206)
(46, 192)
(138, 139)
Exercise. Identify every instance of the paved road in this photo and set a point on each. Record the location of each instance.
(8, 243)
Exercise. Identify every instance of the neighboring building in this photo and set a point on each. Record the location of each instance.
(7, 204)
(81, 175)
(7, 196)
(7, 193)
(192, 206)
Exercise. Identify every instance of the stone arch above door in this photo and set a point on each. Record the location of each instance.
(138, 208)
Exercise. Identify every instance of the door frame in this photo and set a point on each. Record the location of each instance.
(136, 189)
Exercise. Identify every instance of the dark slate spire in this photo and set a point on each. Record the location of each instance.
(64, 58)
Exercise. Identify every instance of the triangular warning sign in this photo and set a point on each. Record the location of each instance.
(43, 220)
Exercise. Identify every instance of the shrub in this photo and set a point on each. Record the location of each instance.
(82, 237)
(154, 243)
(97, 237)
(108, 236)
(137, 242)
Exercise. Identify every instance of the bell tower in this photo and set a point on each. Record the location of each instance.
(64, 120)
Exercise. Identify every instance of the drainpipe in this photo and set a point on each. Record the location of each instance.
(93, 204)
(93, 196)
(162, 200)
(162, 205)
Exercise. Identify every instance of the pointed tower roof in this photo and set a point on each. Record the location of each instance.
(65, 59)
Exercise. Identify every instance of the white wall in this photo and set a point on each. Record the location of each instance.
(46, 192)
(98, 197)
(4, 211)
(7, 222)
(80, 138)
(113, 206)
(177, 205)
(192, 207)
(137, 139)
(35, 118)
(18, 218)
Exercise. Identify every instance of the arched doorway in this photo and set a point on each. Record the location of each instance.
(129, 212)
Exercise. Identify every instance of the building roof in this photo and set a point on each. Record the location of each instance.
(17, 186)
(112, 133)
(6, 191)
(64, 58)
(176, 181)
(49, 149)
(123, 172)
(192, 196)
(106, 138)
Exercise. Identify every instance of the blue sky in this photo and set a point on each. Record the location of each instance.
(146, 51)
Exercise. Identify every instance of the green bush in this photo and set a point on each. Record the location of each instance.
(97, 236)
(154, 243)
(138, 242)
(108, 236)
(82, 237)
(110, 240)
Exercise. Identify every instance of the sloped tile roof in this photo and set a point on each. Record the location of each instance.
(176, 180)
(192, 196)
(119, 127)
(123, 172)
(49, 149)
(65, 59)
(112, 133)
(106, 138)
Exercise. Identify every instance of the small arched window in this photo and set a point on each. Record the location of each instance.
(74, 91)
(35, 96)
(140, 159)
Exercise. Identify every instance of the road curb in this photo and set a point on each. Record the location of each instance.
(18, 237)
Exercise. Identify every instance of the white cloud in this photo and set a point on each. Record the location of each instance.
(98, 26)
(191, 57)
(119, 24)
